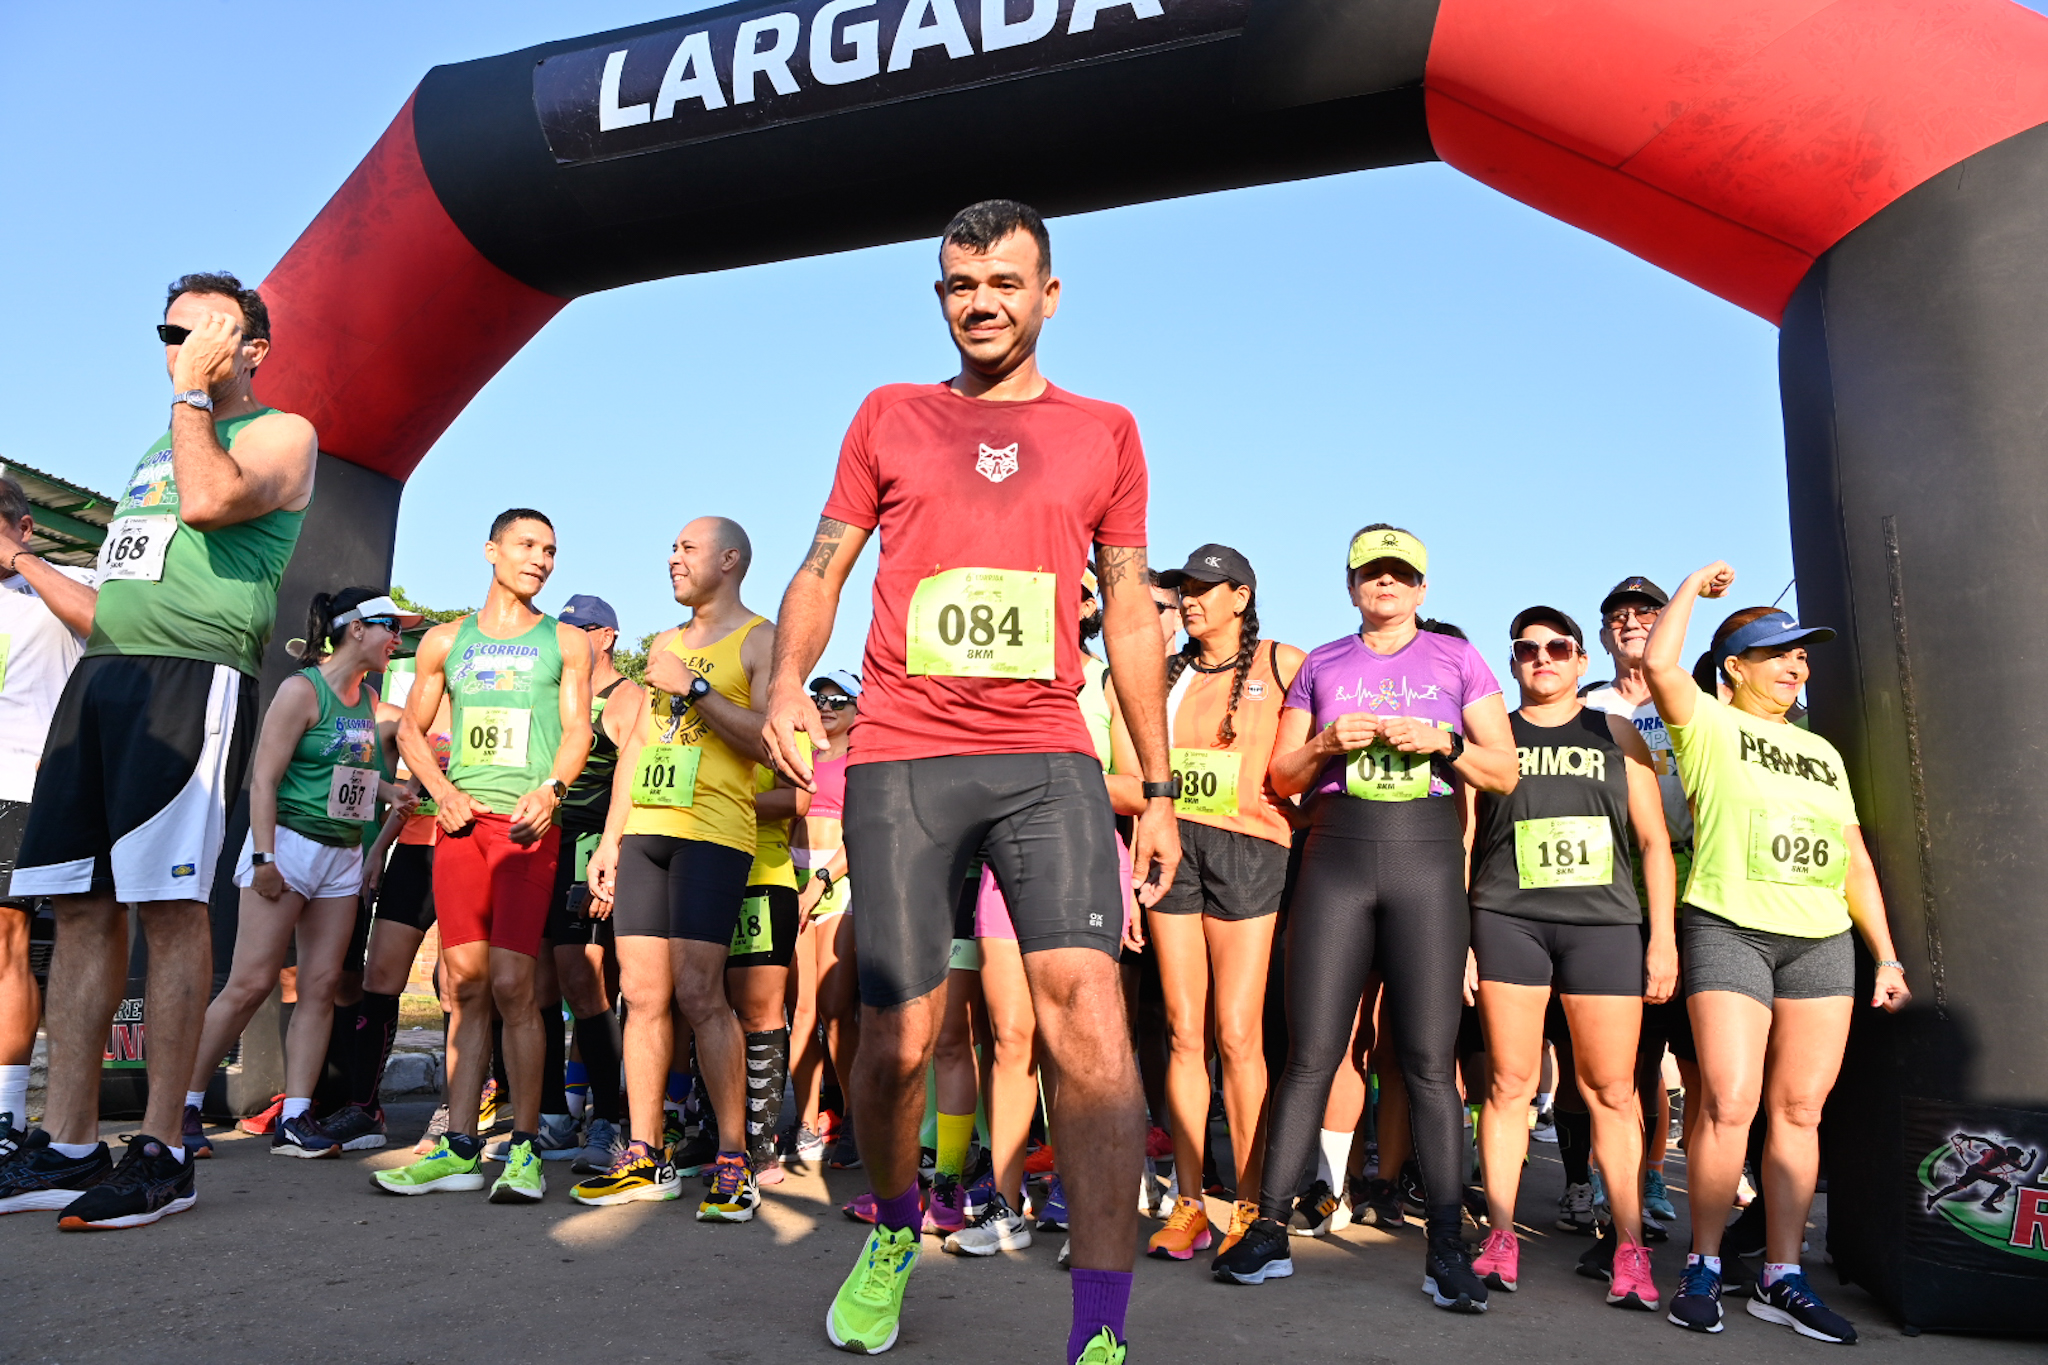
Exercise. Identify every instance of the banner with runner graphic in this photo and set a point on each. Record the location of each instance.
(1979, 1187)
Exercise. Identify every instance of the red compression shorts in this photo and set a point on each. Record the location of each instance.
(488, 888)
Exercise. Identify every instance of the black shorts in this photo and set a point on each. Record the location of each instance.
(569, 919)
(143, 759)
(766, 933)
(913, 826)
(406, 894)
(13, 824)
(359, 938)
(1580, 959)
(679, 888)
(1225, 874)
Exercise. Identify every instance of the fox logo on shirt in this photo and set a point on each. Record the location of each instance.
(997, 465)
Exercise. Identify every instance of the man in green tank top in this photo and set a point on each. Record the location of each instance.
(518, 689)
(149, 744)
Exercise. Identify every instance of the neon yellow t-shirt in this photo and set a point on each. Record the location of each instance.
(1770, 804)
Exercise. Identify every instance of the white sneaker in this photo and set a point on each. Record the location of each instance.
(1000, 1228)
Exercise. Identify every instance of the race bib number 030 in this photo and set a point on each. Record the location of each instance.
(1796, 850)
(135, 548)
(1567, 850)
(1208, 781)
(352, 794)
(666, 775)
(755, 933)
(1381, 773)
(495, 736)
(982, 623)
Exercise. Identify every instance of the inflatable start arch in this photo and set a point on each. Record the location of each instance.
(1870, 174)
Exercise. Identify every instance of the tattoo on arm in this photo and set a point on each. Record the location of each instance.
(824, 545)
(1114, 563)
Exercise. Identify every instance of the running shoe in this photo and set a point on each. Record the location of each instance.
(845, 1149)
(977, 1195)
(11, 1138)
(301, 1136)
(356, 1128)
(1314, 1211)
(1499, 1262)
(733, 1194)
(1633, 1286)
(1599, 1182)
(1158, 1144)
(556, 1141)
(1040, 1160)
(1102, 1349)
(862, 1208)
(1243, 1214)
(148, 1184)
(927, 1166)
(1186, 1232)
(866, 1312)
(945, 1214)
(1575, 1209)
(1596, 1262)
(492, 1108)
(1052, 1210)
(1657, 1199)
(39, 1177)
(1545, 1127)
(1792, 1303)
(602, 1143)
(767, 1170)
(1261, 1254)
(1447, 1274)
(1697, 1308)
(637, 1174)
(437, 1128)
(1066, 1257)
(999, 1228)
(197, 1145)
(521, 1182)
(1379, 1208)
(440, 1170)
(807, 1145)
(1410, 1189)
(264, 1123)
(1654, 1232)
(1745, 1236)
(692, 1155)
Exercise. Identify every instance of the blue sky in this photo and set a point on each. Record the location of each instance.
(1546, 411)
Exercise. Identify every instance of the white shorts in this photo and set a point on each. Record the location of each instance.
(315, 870)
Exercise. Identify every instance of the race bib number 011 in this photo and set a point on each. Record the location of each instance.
(1567, 850)
(1381, 773)
(667, 775)
(982, 623)
(1207, 780)
(1796, 850)
(755, 933)
(135, 548)
(352, 794)
(495, 736)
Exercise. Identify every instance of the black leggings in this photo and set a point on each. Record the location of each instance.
(1381, 885)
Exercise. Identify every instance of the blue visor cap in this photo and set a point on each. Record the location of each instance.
(1776, 631)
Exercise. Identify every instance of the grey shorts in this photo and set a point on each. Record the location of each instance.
(1718, 955)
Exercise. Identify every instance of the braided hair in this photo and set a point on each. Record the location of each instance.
(1241, 667)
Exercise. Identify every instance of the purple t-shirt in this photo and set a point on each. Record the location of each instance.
(1432, 677)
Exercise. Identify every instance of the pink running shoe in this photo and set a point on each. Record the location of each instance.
(1632, 1285)
(945, 1211)
(861, 1208)
(1158, 1143)
(1500, 1260)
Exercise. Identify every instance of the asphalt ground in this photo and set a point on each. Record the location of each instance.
(292, 1259)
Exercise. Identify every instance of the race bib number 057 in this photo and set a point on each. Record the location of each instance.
(352, 794)
(1796, 850)
(135, 548)
(982, 623)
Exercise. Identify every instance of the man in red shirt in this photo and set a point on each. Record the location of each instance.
(989, 491)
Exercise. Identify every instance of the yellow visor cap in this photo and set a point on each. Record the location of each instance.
(1370, 545)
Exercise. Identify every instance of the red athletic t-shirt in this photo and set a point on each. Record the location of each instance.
(957, 483)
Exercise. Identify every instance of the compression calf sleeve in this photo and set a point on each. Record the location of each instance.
(954, 1132)
(372, 1050)
(1575, 1144)
(767, 1074)
(554, 1096)
(597, 1038)
(1333, 1154)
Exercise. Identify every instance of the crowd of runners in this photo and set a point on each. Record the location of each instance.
(1075, 867)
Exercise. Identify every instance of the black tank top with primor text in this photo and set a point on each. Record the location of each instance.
(1559, 847)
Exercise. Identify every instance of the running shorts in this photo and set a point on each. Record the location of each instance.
(406, 895)
(1225, 875)
(670, 887)
(766, 933)
(489, 889)
(1717, 955)
(315, 870)
(914, 825)
(569, 903)
(143, 758)
(1579, 959)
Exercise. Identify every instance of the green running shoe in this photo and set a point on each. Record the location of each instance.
(522, 1182)
(440, 1169)
(866, 1312)
(1103, 1349)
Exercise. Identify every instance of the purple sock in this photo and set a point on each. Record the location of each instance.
(1100, 1298)
(905, 1210)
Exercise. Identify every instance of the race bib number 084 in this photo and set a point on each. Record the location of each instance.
(135, 548)
(982, 623)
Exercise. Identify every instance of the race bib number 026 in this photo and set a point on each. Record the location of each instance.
(135, 548)
(1208, 781)
(982, 623)
(1381, 773)
(495, 736)
(1567, 850)
(352, 794)
(1796, 850)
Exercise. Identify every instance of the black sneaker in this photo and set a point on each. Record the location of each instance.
(148, 1184)
(1792, 1303)
(1313, 1211)
(1447, 1275)
(1596, 1262)
(1260, 1255)
(11, 1138)
(1380, 1208)
(301, 1136)
(845, 1150)
(1745, 1236)
(692, 1155)
(356, 1128)
(37, 1177)
(198, 1146)
(1738, 1281)
(1697, 1305)
(1410, 1189)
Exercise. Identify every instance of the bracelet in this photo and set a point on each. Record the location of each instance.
(1889, 962)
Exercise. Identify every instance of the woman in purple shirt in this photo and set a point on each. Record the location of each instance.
(1380, 728)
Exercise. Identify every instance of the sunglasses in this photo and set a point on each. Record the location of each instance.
(834, 703)
(1557, 650)
(1620, 614)
(172, 334)
(389, 623)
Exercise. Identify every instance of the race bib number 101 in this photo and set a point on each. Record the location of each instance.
(135, 548)
(982, 623)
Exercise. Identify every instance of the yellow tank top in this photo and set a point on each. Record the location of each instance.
(687, 783)
(772, 865)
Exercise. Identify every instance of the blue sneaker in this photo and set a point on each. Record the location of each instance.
(301, 1136)
(1052, 1210)
(193, 1134)
(1657, 1200)
(979, 1195)
(1697, 1307)
(1792, 1303)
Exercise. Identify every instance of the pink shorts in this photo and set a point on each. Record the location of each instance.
(992, 914)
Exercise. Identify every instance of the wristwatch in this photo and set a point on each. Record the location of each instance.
(198, 398)
(823, 874)
(1457, 747)
(260, 859)
(698, 687)
(560, 788)
(1155, 790)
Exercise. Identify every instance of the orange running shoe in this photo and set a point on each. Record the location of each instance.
(261, 1124)
(1186, 1232)
(1242, 1215)
(1040, 1161)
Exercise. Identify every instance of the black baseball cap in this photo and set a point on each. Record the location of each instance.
(1637, 586)
(1213, 564)
(1549, 616)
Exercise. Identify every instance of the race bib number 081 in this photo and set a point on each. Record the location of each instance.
(1796, 850)
(352, 794)
(135, 548)
(982, 623)
(495, 736)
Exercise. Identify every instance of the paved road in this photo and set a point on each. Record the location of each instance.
(290, 1259)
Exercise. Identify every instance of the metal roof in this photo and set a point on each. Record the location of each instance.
(70, 521)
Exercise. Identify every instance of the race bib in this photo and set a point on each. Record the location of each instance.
(135, 548)
(1567, 850)
(1207, 781)
(352, 794)
(1381, 773)
(495, 736)
(1796, 850)
(982, 623)
(666, 775)
(586, 844)
(755, 933)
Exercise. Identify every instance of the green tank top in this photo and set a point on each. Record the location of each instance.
(329, 789)
(169, 591)
(506, 711)
(590, 795)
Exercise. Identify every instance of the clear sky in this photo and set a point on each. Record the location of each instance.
(1546, 411)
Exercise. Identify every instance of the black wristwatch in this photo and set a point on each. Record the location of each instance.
(823, 874)
(1155, 790)
(1457, 747)
(560, 788)
(698, 687)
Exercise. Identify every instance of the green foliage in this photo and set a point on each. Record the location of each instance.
(633, 662)
(432, 614)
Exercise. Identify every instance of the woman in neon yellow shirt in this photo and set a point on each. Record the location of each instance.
(1780, 874)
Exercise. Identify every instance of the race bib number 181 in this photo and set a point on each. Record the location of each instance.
(135, 548)
(1565, 850)
(982, 623)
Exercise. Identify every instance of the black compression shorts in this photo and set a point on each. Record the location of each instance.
(679, 888)
(766, 934)
(406, 895)
(1580, 959)
(569, 919)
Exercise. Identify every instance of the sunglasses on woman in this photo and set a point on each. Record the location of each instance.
(1556, 650)
(835, 703)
